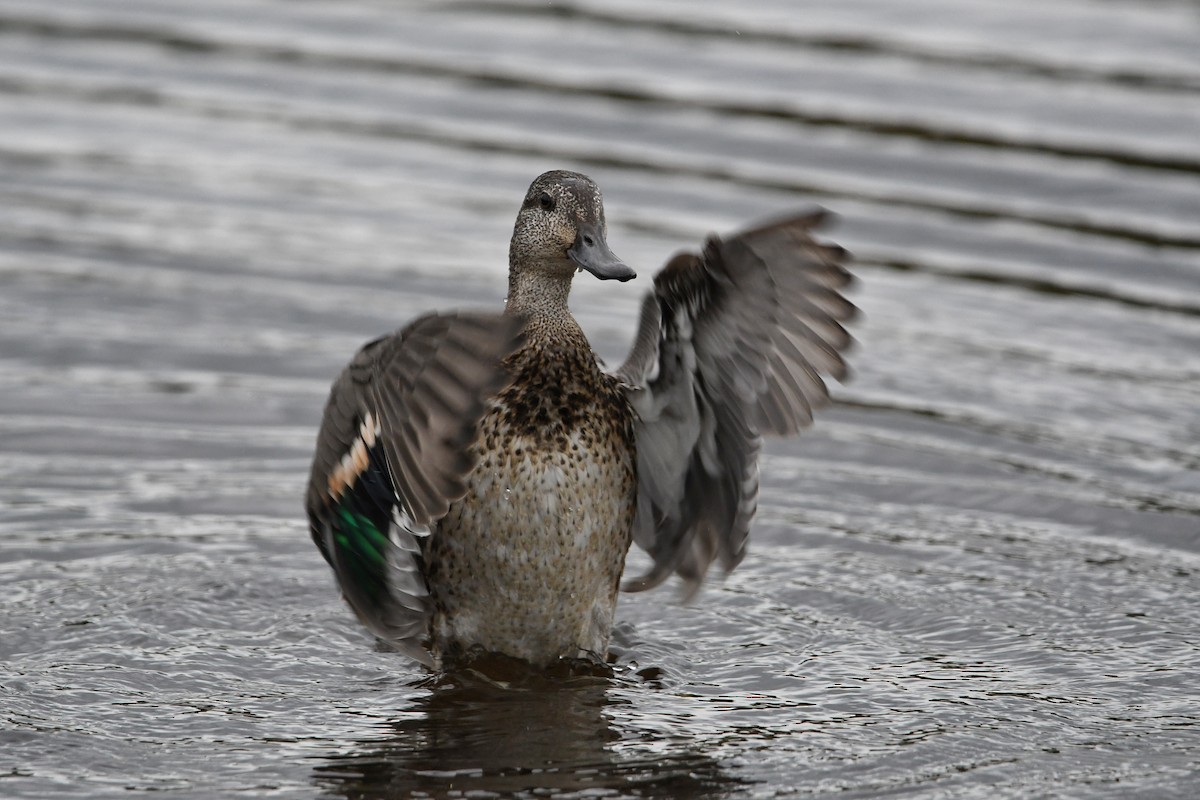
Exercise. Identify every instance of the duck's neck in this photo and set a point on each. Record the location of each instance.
(539, 293)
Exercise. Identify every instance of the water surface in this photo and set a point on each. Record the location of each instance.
(978, 576)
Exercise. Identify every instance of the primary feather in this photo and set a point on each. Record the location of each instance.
(732, 345)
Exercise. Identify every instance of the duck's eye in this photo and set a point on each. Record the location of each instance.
(546, 201)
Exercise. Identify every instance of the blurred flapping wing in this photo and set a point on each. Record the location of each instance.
(732, 344)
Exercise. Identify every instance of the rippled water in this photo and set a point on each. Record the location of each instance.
(978, 576)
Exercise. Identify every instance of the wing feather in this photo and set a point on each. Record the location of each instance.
(393, 451)
(732, 345)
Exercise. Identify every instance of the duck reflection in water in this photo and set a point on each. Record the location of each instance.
(534, 734)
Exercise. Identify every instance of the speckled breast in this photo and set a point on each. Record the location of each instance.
(528, 562)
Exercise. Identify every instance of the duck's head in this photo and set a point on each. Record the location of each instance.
(561, 228)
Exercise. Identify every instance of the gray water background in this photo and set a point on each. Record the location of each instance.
(977, 576)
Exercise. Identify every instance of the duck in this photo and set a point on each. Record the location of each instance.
(479, 477)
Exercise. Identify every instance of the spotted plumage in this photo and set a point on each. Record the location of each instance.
(527, 563)
(478, 478)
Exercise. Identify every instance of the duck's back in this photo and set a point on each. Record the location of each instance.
(528, 562)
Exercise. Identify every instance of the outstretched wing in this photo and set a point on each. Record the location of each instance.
(393, 452)
(732, 345)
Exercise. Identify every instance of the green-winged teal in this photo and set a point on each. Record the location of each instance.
(478, 477)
